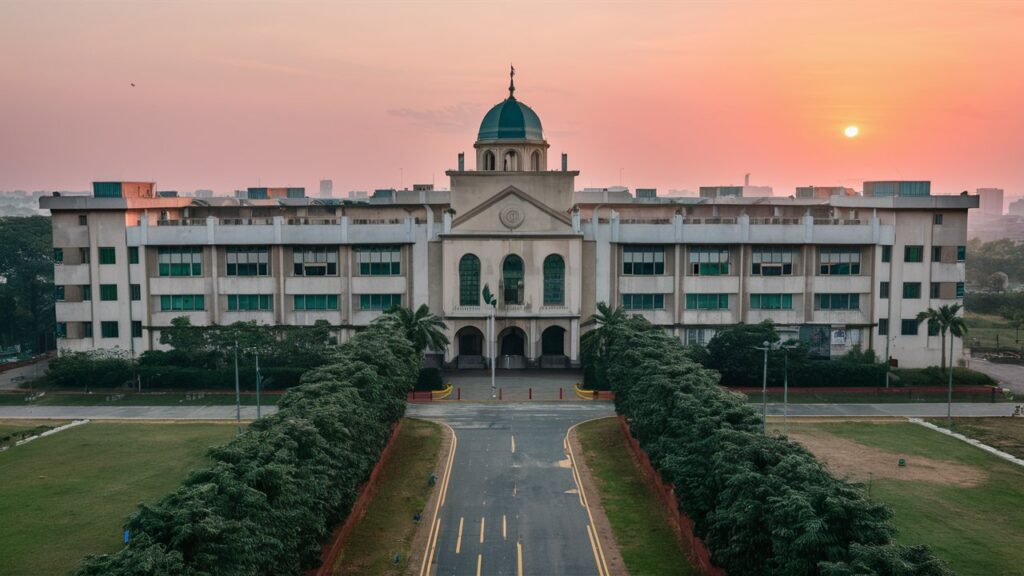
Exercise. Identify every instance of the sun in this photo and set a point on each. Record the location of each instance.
(851, 131)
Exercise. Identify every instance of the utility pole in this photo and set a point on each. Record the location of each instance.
(259, 380)
(238, 394)
(764, 387)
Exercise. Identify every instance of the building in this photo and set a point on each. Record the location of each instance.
(823, 191)
(991, 201)
(326, 188)
(1016, 207)
(837, 272)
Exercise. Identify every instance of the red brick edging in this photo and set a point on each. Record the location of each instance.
(333, 546)
(682, 524)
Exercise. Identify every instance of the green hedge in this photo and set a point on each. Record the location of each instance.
(935, 376)
(429, 379)
(993, 302)
(836, 373)
(762, 504)
(271, 496)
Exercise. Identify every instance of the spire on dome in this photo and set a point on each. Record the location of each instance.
(512, 82)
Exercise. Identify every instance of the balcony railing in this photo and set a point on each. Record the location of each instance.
(182, 222)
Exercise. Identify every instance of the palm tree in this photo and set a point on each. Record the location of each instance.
(945, 318)
(957, 327)
(422, 327)
(934, 320)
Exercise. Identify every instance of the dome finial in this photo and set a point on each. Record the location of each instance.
(512, 82)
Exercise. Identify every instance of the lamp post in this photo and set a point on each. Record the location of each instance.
(492, 347)
(259, 381)
(238, 394)
(766, 346)
(785, 389)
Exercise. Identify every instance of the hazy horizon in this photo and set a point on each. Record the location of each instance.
(375, 95)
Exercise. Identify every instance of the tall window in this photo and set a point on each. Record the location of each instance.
(886, 253)
(136, 328)
(512, 279)
(108, 255)
(643, 301)
(883, 290)
(248, 261)
(771, 301)
(86, 292)
(771, 261)
(316, 301)
(58, 255)
(643, 260)
(249, 302)
(883, 326)
(709, 261)
(961, 253)
(133, 254)
(837, 301)
(489, 160)
(379, 260)
(315, 261)
(135, 291)
(510, 162)
(707, 301)
(554, 280)
(838, 261)
(469, 280)
(58, 293)
(185, 302)
(379, 301)
(180, 261)
(86, 329)
(535, 161)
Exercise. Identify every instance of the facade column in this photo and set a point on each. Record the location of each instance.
(531, 336)
(574, 341)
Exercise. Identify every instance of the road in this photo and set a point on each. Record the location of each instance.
(1008, 375)
(511, 506)
(14, 378)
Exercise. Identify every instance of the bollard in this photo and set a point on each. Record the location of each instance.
(529, 392)
(560, 394)
(458, 393)
(499, 393)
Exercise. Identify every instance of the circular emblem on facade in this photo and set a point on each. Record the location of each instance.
(511, 217)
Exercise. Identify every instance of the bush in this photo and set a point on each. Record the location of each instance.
(99, 369)
(935, 376)
(762, 504)
(836, 373)
(993, 303)
(272, 495)
(429, 379)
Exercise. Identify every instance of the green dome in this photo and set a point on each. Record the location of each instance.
(511, 120)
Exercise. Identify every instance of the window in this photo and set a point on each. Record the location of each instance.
(512, 279)
(86, 329)
(643, 301)
(883, 290)
(58, 293)
(936, 253)
(133, 254)
(379, 301)
(883, 326)
(771, 261)
(554, 280)
(489, 161)
(249, 302)
(912, 290)
(709, 261)
(469, 280)
(535, 161)
(935, 290)
(83, 220)
(838, 261)
(379, 260)
(185, 302)
(136, 328)
(83, 255)
(937, 219)
(108, 329)
(315, 261)
(108, 255)
(886, 253)
(771, 301)
(58, 255)
(62, 329)
(961, 253)
(86, 292)
(707, 301)
(643, 260)
(837, 301)
(180, 261)
(135, 291)
(913, 253)
(933, 328)
(247, 260)
(959, 289)
(316, 301)
(108, 292)
(908, 327)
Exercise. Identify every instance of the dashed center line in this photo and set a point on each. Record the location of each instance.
(458, 541)
(482, 521)
(513, 444)
(479, 563)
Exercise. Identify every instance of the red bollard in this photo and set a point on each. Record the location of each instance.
(530, 392)
(458, 393)
(559, 393)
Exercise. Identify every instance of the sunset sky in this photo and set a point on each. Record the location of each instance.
(379, 94)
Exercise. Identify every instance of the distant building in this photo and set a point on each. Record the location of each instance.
(898, 188)
(358, 195)
(823, 191)
(721, 191)
(991, 201)
(326, 188)
(264, 193)
(203, 193)
(1016, 207)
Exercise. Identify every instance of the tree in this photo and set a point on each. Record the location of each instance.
(945, 318)
(594, 344)
(421, 327)
(26, 292)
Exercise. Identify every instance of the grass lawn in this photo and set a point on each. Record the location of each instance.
(983, 329)
(647, 542)
(1006, 434)
(14, 430)
(977, 527)
(68, 495)
(388, 526)
(107, 398)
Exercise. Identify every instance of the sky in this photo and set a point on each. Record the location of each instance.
(230, 94)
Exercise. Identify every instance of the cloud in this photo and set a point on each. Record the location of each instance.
(454, 118)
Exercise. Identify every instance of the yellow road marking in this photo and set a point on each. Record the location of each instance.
(479, 562)
(458, 542)
(428, 553)
(602, 564)
(482, 520)
(519, 559)
(593, 547)
(513, 444)
(504, 528)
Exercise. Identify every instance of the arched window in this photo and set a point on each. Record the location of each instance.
(489, 160)
(512, 279)
(554, 281)
(469, 281)
(511, 161)
(535, 161)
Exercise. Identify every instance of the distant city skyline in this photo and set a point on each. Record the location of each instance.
(657, 95)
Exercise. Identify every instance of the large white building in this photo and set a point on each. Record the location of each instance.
(836, 271)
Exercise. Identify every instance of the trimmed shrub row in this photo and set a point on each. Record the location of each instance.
(762, 504)
(272, 495)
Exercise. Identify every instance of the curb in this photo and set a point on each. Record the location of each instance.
(994, 451)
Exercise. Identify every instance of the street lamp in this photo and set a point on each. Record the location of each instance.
(766, 346)
(785, 389)
(492, 347)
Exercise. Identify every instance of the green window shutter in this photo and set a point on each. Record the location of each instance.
(469, 280)
(108, 255)
(133, 255)
(86, 292)
(886, 253)
(58, 255)
(108, 292)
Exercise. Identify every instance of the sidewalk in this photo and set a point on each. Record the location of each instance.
(131, 412)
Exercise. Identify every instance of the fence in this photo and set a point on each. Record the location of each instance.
(909, 391)
(682, 524)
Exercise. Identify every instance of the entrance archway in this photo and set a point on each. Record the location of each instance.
(552, 348)
(471, 346)
(512, 348)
